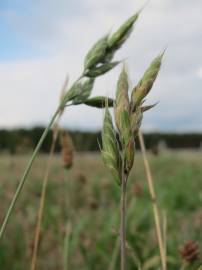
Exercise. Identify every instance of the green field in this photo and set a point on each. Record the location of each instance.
(85, 199)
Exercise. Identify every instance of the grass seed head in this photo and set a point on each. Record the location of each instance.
(190, 251)
(110, 151)
(67, 150)
(122, 117)
(136, 120)
(129, 155)
(101, 70)
(146, 83)
(96, 54)
(83, 90)
(121, 35)
(122, 107)
(99, 102)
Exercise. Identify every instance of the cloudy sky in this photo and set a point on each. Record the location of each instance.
(44, 40)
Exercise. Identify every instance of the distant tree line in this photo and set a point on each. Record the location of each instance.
(23, 140)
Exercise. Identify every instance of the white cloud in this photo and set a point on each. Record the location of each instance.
(30, 89)
(199, 73)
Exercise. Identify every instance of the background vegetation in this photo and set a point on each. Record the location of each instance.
(85, 199)
(23, 140)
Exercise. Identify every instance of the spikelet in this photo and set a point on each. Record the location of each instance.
(98, 59)
(101, 70)
(99, 102)
(122, 107)
(136, 120)
(82, 90)
(67, 149)
(110, 151)
(96, 54)
(121, 35)
(146, 83)
(122, 117)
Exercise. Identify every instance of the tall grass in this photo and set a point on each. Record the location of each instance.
(98, 61)
(118, 153)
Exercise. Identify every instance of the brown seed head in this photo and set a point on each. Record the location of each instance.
(67, 151)
(190, 251)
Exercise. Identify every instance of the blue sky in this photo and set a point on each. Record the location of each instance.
(43, 40)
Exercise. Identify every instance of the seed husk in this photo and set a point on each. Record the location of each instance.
(146, 83)
(110, 151)
(96, 54)
(121, 109)
(98, 71)
(83, 90)
(67, 149)
(136, 120)
(122, 34)
(99, 102)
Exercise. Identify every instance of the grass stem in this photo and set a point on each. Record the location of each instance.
(26, 172)
(43, 196)
(154, 202)
(45, 182)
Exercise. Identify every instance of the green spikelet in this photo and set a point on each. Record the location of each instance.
(122, 107)
(98, 71)
(82, 91)
(129, 154)
(146, 83)
(121, 35)
(122, 117)
(136, 120)
(96, 54)
(110, 151)
(99, 102)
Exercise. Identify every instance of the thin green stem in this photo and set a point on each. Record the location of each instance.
(45, 181)
(43, 196)
(26, 172)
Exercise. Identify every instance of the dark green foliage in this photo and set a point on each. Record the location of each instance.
(10, 140)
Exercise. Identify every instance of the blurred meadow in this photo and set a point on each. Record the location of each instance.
(81, 219)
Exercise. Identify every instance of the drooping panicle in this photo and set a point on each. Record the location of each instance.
(110, 151)
(146, 83)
